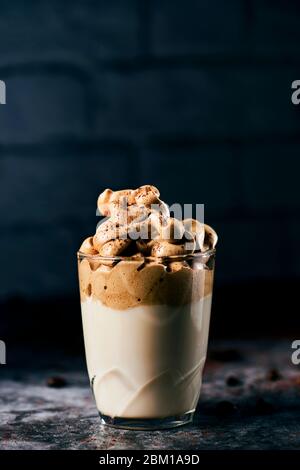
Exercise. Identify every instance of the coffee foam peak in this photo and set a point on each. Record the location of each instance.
(139, 222)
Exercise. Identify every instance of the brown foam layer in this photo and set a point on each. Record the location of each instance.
(131, 283)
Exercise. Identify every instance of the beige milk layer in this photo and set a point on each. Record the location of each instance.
(145, 360)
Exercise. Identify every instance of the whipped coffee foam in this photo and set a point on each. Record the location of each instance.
(132, 217)
(138, 222)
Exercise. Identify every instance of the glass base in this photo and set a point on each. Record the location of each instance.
(148, 424)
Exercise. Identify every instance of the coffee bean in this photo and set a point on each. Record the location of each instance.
(273, 375)
(56, 382)
(233, 381)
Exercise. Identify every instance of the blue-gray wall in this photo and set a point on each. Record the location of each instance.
(192, 96)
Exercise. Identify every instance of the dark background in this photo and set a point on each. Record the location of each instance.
(194, 97)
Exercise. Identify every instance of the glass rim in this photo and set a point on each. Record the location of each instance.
(140, 257)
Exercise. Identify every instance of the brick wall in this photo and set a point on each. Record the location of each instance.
(192, 96)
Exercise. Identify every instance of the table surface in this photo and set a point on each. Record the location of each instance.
(250, 399)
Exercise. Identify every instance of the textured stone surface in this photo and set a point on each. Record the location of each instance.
(250, 400)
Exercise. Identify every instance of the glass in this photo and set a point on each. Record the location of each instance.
(146, 324)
